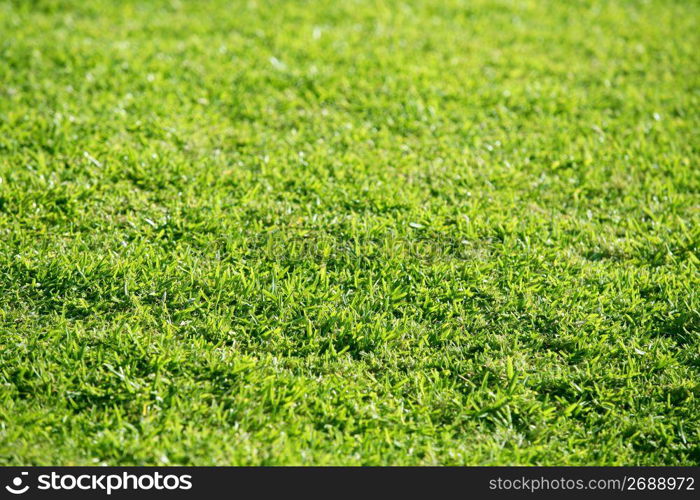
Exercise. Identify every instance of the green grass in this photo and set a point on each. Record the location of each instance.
(315, 232)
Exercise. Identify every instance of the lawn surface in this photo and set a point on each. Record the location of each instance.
(397, 232)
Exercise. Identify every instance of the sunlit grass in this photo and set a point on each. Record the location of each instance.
(426, 232)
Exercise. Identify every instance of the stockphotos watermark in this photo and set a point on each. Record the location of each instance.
(103, 483)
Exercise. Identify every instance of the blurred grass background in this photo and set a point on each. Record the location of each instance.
(309, 232)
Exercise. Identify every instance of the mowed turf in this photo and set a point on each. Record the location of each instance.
(305, 232)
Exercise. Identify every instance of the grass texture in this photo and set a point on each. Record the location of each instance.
(357, 232)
